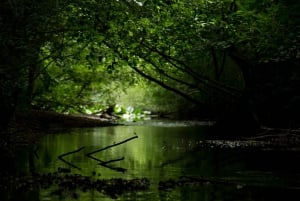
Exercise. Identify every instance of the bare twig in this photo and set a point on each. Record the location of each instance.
(104, 163)
(111, 161)
(110, 146)
(118, 169)
(70, 164)
(60, 157)
(96, 159)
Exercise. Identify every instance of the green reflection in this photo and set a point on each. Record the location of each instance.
(143, 155)
(162, 152)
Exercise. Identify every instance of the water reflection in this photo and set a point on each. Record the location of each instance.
(143, 155)
(166, 151)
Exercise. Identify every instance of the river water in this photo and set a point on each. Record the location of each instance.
(161, 151)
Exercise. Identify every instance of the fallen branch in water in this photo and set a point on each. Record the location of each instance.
(92, 157)
(118, 169)
(104, 163)
(111, 161)
(110, 146)
(60, 157)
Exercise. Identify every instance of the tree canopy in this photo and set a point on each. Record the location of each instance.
(78, 56)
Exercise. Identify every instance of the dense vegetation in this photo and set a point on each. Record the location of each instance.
(233, 60)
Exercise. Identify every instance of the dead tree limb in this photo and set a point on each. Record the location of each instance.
(110, 146)
(94, 158)
(61, 157)
(111, 161)
(70, 164)
(104, 163)
(118, 169)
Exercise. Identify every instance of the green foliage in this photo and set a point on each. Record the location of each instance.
(82, 56)
(149, 97)
(267, 32)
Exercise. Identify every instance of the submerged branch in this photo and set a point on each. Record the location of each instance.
(118, 169)
(111, 161)
(70, 164)
(104, 163)
(110, 146)
(71, 152)
(94, 158)
(60, 157)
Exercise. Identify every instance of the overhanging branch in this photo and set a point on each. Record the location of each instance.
(205, 80)
(166, 86)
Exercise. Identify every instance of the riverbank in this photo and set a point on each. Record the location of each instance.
(54, 120)
(28, 127)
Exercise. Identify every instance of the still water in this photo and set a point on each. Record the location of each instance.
(168, 150)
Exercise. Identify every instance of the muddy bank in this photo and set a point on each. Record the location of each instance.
(53, 120)
(28, 127)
